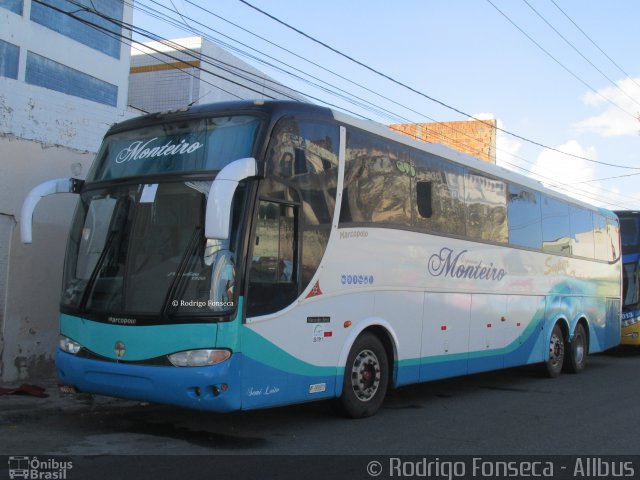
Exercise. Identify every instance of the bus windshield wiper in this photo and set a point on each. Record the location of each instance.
(96, 271)
(178, 280)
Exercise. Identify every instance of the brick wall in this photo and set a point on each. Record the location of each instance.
(475, 138)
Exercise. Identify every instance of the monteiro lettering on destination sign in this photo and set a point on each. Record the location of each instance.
(445, 263)
(140, 150)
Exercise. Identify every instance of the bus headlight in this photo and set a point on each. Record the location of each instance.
(198, 358)
(68, 345)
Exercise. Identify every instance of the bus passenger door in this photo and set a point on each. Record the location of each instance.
(273, 272)
(272, 286)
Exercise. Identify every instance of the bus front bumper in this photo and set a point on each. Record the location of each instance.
(215, 388)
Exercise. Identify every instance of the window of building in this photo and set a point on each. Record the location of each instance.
(9, 55)
(14, 6)
(87, 27)
(46, 73)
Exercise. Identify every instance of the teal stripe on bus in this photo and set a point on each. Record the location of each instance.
(142, 342)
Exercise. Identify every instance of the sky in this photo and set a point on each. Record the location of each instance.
(559, 76)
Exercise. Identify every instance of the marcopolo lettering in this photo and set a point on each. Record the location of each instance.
(344, 235)
(449, 263)
(140, 150)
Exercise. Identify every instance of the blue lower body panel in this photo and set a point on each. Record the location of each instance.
(199, 388)
(192, 387)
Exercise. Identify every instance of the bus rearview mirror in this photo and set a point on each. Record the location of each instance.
(218, 215)
(58, 185)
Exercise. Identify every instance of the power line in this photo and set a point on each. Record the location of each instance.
(603, 179)
(553, 183)
(594, 43)
(131, 28)
(366, 105)
(169, 43)
(342, 77)
(439, 102)
(558, 61)
(580, 53)
(452, 140)
(195, 55)
(577, 191)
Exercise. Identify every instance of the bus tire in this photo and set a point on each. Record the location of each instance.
(366, 377)
(578, 350)
(556, 352)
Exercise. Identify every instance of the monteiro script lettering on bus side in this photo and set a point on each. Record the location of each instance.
(445, 263)
(140, 150)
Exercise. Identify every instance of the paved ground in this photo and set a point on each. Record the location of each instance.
(511, 412)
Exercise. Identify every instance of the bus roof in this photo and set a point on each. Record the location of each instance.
(277, 108)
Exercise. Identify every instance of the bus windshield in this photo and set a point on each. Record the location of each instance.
(630, 234)
(631, 284)
(206, 144)
(630, 244)
(140, 250)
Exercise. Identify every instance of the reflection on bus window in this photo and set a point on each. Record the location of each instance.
(447, 195)
(525, 221)
(486, 203)
(582, 241)
(556, 233)
(302, 167)
(377, 189)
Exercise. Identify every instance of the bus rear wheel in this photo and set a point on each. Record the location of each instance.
(556, 352)
(578, 351)
(366, 377)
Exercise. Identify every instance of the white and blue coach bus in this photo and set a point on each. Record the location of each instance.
(248, 255)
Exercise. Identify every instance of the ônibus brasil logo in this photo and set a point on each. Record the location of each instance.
(37, 468)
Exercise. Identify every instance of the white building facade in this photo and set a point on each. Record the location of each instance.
(192, 71)
(62, 84)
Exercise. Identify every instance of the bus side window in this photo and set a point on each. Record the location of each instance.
(556, 231)
(273, 282)
(525, 217)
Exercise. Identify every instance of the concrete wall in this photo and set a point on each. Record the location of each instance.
(44, 134)
(32, 273)
(52, 118)
(7, 224)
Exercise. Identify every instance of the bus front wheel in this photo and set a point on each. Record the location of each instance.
(366, 377)
(556, 352)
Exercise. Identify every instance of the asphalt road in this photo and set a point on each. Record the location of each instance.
(510, 412)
